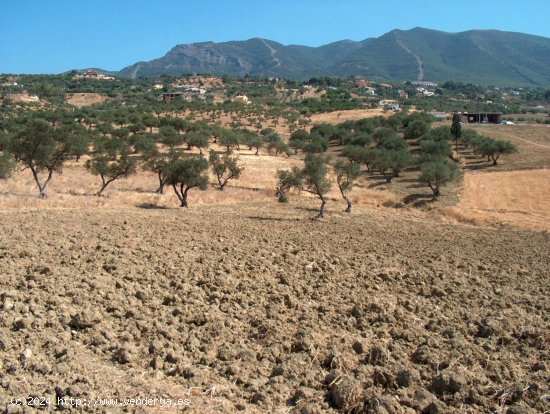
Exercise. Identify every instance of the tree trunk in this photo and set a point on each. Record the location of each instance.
(103, 186)
(348, 210)
(41, 186)
(101, 190)
(184, 201)
(435, 191)
(160, 190)
(322, 209)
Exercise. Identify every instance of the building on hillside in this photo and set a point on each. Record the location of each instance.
(158, 86)
(370, 91)
(392, 103)
(425, 84)
(403, 94)
(172, 96)
(194, 90)
(481, 117)
(363, 83)
(92, 74)
(242, 99)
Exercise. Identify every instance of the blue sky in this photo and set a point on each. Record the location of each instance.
(53, 36)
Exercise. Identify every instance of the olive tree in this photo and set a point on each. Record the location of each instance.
(430, 150)
(315, 179)
(225, 168)
(229, 139)
(197, 139)
(42, 149)
(7, 166)
(494, 148)
(185, 174)
(170, 137)
(437, 173)
(346, 174)
(390, 162)
(157, 163)
(111, 164)
(297, 139)
(287, 179)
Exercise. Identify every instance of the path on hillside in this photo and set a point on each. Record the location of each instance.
(418, 59)
(273, 52)
(536, 144)
(134, 72)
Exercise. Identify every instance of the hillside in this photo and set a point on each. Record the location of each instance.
(482, 56)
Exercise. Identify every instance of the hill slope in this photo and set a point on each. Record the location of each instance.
(483, 56)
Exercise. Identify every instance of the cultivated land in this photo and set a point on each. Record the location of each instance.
(273, 310)
(243, 304)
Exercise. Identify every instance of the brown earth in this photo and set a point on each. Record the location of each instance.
(257, 308)
(85, 99)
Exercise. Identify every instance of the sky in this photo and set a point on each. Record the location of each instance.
(54, 36)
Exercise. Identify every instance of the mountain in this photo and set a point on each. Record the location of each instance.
(482, 56)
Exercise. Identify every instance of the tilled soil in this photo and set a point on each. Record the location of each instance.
(258, 308)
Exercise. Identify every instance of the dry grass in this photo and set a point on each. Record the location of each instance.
(337, 117)
(75, 188)
(533, 142)
(85, 99)
(520, 198)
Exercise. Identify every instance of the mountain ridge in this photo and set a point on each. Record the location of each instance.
(486, 56)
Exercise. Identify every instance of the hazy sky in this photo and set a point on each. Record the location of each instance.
(53, 36)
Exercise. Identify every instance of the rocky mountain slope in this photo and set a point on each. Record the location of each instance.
(483, 56)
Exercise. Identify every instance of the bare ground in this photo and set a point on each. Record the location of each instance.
(85, 99)
(257, 308)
